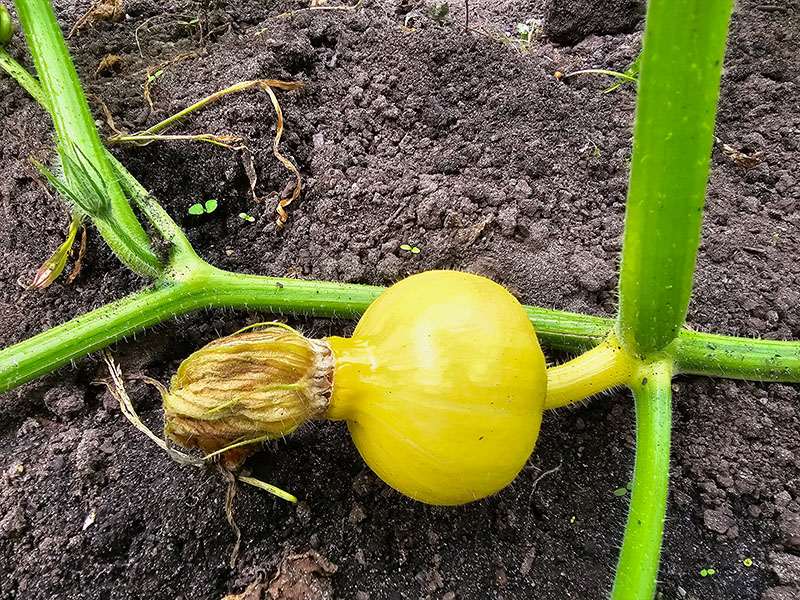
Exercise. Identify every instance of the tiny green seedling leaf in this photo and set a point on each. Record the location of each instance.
(198, 209)
(747, 562)
(707, 572)
(412, 249)
(620, 492)
(247, 217)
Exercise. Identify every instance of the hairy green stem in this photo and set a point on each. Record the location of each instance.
(637, 569)
(605, 366)
(197, 288)
(88, 168)
(198, 285)
(194, 285)
(737, 358)
(678, 89)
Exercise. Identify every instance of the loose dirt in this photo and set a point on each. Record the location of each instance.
(465, 145)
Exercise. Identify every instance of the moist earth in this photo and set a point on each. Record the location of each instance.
(464, 144)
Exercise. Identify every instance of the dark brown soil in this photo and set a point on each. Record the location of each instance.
(470, 149)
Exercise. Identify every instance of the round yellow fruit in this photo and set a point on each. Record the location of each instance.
(442, 386)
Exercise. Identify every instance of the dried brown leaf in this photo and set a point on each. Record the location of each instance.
(103, 10)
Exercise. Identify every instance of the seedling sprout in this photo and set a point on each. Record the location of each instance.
(199, 209)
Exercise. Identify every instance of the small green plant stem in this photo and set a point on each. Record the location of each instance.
(623, 76)
(25, 79)
(605, 366)
(682, 54)
(637, 569)
(75, 126)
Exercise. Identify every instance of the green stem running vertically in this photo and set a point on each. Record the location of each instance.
(678, 90)
(682, 53)
(83, 154)
(637, 570)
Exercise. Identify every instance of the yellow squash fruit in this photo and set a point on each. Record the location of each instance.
(442, 386)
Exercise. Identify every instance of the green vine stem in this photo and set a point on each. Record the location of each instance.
(683, 46)
(200, 285)
(25, 79)
(605, 366)
(698, 353)
(637, 569)
(79, 140)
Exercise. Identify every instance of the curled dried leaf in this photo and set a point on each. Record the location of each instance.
(81, 253)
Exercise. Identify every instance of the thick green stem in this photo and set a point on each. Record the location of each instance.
(198, 285)
(193, 285)
(637, 569)
(78, 136)
(678, 89)
(737, 358)
(199, 288)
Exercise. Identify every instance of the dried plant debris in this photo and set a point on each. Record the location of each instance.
(303, 577)
(104, 10)
(299, 577)
(76, 269)
(110, 65)
(740, 159)
(269, 86)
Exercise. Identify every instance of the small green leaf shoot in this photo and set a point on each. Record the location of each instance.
(153, 77)
(211, 205)
(747, 562)
(196, 209)
(53, 266)
(412, 249)
(620, 492)
(247, 217)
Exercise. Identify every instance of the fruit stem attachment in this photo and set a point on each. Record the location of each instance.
(605, 366)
